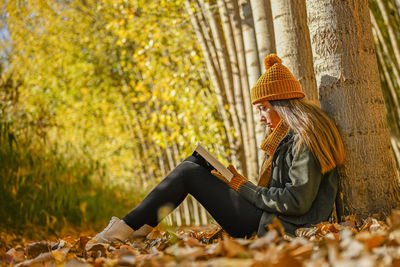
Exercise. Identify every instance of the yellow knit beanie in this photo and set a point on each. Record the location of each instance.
(276, 83)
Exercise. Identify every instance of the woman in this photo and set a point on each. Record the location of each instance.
(298, 182)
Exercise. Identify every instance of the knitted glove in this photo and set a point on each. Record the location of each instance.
(236, 181)
(219, 176)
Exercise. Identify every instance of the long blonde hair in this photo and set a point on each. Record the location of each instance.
(315, 129)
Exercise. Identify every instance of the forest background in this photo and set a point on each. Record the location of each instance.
(100, 99)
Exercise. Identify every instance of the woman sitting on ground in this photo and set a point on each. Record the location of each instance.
(298, 179)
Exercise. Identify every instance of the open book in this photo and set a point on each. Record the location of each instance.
(213, 161)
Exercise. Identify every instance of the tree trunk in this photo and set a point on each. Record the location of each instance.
(143, 146)
(379, 38)
(196, 211)
(350, 93)
(395, 107)
(293, 42)
(392, 34)
(204, 213)
(226, 72)
(253, 66)
(264, 29)
(237, 87)
(206, 47)
(395, 146)
(252, 160)
(161, 160)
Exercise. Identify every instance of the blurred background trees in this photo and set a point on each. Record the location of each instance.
(100, 99)
(117, 88)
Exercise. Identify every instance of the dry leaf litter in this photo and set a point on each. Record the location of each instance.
(354, 242)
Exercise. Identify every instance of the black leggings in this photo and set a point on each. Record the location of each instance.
(235, 214)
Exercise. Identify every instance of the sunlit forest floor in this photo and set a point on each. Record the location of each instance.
(354, 242)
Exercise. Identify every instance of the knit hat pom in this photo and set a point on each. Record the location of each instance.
(270, 60)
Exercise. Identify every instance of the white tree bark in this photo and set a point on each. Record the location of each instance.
(350, 93)
(392, 34)
(226, 72)
(264, 29)
(293, 45)
(391, 59)
(234, 14)
(212, 69)
(253, 66)
(237, 86)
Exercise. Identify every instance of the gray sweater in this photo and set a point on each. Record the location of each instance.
(298, 194)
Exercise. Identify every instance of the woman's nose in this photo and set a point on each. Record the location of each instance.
(262, 117)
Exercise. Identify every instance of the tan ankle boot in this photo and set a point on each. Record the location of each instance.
(142, 231)
(116, 231)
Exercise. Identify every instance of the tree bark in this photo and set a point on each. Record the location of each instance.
(143, 146)
(264, 29)
(226, 72)
(234, 14)
(214, 76)
(392, 35)
(350, 93)
(385, 48)
(293, 44)
(253, 66)
(392, 91)
(237, 86)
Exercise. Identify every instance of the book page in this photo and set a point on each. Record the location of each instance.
(213, 161)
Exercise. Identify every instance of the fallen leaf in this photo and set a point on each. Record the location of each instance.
(97, 250)
(15, 255)
(35, 249)
(374, 241)
(155, 234)
(191, 241)
(308, 232)
(232, 248)
(301, 252)
(60, 255)
(83, 241)
(77, 263)
(264, 241)
(186, 252)
(42, 259)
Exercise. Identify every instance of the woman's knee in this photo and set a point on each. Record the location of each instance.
(199, 160)
(191, 158)
(190, 171)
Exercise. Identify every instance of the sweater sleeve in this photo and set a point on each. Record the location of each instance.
(297, 195)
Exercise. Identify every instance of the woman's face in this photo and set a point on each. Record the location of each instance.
(268, 115)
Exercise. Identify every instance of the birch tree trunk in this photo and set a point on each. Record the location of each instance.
(379, 38)
(392, 34)
(293, 45)
(234, 15)
(143, 146)
(136, 149)
(207, 47)
(395, 108)
(161, 160)
(350, 93)
(226, 72)
(264, 29)
(237, 86)
(253, 66)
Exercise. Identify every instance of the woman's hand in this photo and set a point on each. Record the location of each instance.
(236, 181)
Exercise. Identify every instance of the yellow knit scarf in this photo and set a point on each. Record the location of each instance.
(269, 145)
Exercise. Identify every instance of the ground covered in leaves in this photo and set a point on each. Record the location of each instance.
(354, 242)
